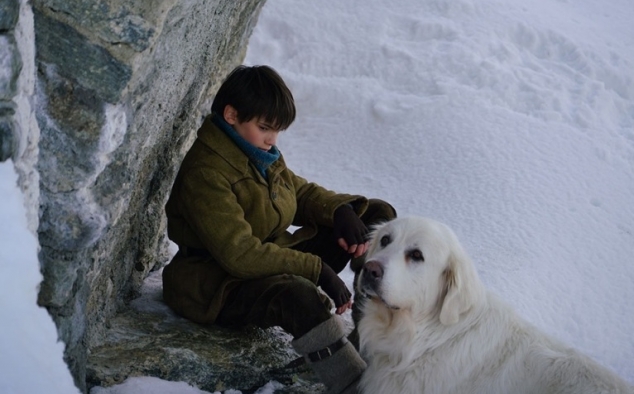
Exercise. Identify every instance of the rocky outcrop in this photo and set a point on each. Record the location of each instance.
(10, 66)
(148, 339)
(99, 100)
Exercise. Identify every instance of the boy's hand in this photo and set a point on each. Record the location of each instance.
(332, 284)
(350, 231)
(343, 308)
(355, 250)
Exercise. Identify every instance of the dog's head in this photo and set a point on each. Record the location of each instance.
(417, 264)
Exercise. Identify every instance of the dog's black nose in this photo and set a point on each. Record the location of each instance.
(372, 271)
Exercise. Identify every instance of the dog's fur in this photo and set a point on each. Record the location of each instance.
(429, 326)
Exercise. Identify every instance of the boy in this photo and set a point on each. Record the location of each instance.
(229, 210)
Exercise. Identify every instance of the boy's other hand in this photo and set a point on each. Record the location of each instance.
(350, 231)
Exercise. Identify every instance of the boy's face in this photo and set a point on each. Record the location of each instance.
(256, 131)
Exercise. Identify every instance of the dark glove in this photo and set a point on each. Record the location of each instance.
(332, 284)
(348, 226)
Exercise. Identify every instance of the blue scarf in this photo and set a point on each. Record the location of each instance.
(261, 160)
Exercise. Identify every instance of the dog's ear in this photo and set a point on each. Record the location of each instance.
(462, 287)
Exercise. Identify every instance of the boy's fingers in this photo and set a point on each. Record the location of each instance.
(361, 249)
(356, 249)
(344, 307)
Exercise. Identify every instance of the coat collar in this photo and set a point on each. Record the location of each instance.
(217, 140)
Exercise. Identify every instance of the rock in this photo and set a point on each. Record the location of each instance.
(88, 64)
(121, 22)
(121, 90)
(8, 131)
(9, 11)
(10, 66)
(147, 339)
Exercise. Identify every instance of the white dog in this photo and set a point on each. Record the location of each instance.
(429, 326)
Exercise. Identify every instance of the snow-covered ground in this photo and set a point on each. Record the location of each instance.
(511, 121)
(30, 355)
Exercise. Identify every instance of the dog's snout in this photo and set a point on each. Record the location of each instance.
(372, 270)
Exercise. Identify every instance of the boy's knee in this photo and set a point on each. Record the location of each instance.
(303, 306)
(305, 294)
(378, 211)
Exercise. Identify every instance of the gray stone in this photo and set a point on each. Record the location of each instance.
(120, 22)
(9, 11)
(76, 58)
(10, 66)
(147, 339)
(211, 358)
(9, 130)
(121, 89)
(7, 108)
(8, 141)
(70, 131)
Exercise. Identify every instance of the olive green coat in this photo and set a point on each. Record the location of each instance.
(221, 203)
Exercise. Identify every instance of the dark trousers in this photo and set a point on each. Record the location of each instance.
(292, 302)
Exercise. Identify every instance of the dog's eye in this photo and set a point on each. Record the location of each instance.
(415, 255)
(385, 240)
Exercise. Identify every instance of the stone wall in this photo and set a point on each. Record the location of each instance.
(10, 66)
(99, 100)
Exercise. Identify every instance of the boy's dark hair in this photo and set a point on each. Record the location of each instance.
(256, 91)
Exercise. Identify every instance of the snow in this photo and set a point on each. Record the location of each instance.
(511, 121)
(151, 385)
(30, 354)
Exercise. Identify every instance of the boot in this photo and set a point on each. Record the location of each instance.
(331, 356)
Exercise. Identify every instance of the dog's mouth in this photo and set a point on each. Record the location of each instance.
(389, 306)
(374, 296)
